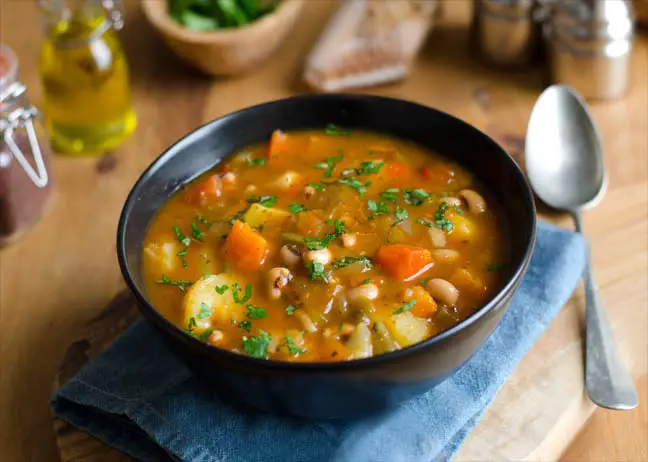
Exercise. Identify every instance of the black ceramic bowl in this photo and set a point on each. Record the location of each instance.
(345, 389)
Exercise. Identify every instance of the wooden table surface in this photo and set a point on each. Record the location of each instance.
(65, 270)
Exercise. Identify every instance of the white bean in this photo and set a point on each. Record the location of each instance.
(278, 278)
(349, 240)
(442, 291)
(306, 321)
(476, 203)
(445, 255)
(452, 201)
(322, 256)
(290, 254)
(363, 292)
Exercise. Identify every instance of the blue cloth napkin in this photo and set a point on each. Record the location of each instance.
(139, 398)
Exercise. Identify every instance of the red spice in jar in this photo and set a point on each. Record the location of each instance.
(21, 200)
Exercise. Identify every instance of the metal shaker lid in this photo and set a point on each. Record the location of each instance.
(598, 20)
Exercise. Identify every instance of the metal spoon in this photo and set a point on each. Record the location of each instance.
(564, 162)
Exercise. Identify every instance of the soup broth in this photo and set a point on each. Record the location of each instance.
(325, 245)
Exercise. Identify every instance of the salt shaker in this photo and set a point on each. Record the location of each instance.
(505, 32)
(590, 45)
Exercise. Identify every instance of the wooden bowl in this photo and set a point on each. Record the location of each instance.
(229, 51)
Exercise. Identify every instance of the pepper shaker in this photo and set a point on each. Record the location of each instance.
(590, 45)
(505, 32)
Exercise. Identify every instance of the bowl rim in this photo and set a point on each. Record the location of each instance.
(165, 24)
(153, 315)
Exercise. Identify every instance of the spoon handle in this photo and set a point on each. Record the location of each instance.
(607, 381)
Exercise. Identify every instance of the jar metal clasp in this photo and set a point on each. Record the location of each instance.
(23, 117)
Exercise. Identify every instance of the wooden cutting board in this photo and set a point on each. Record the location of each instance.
(534, 417)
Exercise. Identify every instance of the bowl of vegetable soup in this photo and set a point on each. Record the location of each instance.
(327, 256)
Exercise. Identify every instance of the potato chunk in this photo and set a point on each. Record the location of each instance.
(408, 329)
(164, 255)
(207, 306)
(258, 215)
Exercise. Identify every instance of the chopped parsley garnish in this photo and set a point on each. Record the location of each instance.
(425, 222)
(196, 233)
(346, 261)
(458, 209)
(380, 208)
(205, 311)
(257, 347)
(184, 240)
(415, 196)
(182, 254)
(221, 289)
(256, 312)
(192, 325)
(266, 201)
(440, 219)
(366, 281)
(246, 297)
(208, 224)
(238, 215)
(495, 267)
(292, 348)
(390, 194)
(316, 186)
(334, 130)
(353, 183)
(406, 307)
(319, 243)
(422, 282)
(180, 283)
(245, 325)
(316, 271)
(401, 215)
(296, 208)
(329, 165)
(369, 167)
(290, 310)
(256, 162)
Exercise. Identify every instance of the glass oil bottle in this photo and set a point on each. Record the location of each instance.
(87, 96)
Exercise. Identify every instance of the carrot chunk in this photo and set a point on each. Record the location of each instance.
(245, 247)
(211, 187)
(398, 170)
(403, 262)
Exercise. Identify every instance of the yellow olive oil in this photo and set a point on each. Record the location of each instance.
(87, 95)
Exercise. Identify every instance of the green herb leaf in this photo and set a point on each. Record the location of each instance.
(245, 325)
(184, 240)
(369, 167)
(329, 164)
(246, 297)
(316, 186)
(316, 271)
(401, 215)
(415, 197)
(208, 224)
(257, 347)
(292, 348)
(205, 311)
(290, 310)
(353, 183)
(180, 283)
(221, 289)
(196, 233)
(266, 201)
(346, 261)
(192, 325)
(406, 307)
(334, 130)
(256, 162)
(366, 281)
(296, 208)
(440, 219)
(256, 312)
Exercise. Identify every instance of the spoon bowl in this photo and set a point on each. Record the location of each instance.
(564, 157)
(564, 162)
